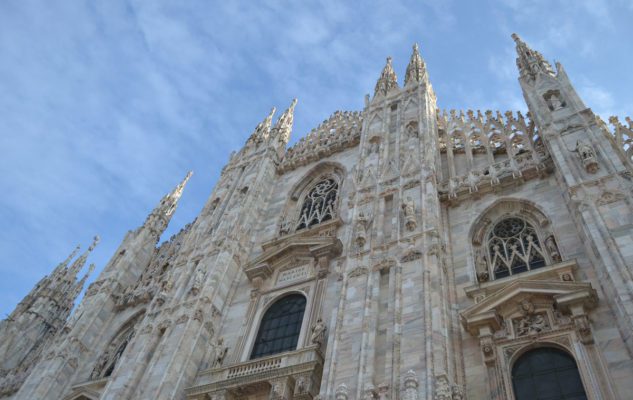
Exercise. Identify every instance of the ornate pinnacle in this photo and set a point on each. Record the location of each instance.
(530, 62)
(387, 81)
(262, 130)
(416, 70)
(81, 261)
(283, 127)
(64, 263)
(159, 218)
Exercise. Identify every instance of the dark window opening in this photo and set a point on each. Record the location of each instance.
(280, 327)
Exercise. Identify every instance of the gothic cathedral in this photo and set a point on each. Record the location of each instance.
(399, 252)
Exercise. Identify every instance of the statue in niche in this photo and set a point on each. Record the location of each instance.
(554, 101)
(587, 155)
(481, 266)
(552, 248)
(408, 206)
(373, 147)
(318, 332)
(361, 229)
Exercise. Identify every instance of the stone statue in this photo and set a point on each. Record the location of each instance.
(408, 206)
(587, 155)
(219, 350)
(318, 332)
(198, 281)
(552, 248)
(554, 102)
(285, 226)
(361, 229)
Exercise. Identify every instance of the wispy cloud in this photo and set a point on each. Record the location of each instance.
(105, 105)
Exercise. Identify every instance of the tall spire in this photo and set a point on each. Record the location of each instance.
(530, 62)
(416, 70)
(262, 130)
(283, 127)
(388, 79)
(64, 263)
(159, 218)
(81, 261)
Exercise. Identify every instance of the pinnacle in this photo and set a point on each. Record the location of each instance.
(284, 123)
(530, 62)
(388, 79)
(81, 261)
(416, 70)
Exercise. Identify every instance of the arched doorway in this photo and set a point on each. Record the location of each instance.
(547, 374)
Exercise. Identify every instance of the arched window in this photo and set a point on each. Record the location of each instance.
(514, 247)
(280, 326)
(547, 374)
(108, 360)
(319, 204)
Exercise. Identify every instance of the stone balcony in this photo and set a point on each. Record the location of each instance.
(296, 372)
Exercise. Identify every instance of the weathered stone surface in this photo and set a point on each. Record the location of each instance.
(433, 250)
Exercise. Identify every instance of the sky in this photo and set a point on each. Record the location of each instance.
(105, 105)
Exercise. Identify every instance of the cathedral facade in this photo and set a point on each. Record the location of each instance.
(399, 252)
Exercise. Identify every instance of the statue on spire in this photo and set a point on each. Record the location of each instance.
(387, 81)
(283, 127)
(416, 70)
(530, 62)
(159, 218)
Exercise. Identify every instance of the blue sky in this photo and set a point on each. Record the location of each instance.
(105, 105)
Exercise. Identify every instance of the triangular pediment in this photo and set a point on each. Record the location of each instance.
(562, 294)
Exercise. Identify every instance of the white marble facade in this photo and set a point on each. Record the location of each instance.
(431, 252)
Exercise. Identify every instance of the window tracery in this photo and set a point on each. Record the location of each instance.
(513, 246)
(108, 360)
(319, 205)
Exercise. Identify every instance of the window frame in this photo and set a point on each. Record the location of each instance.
(543, 346)
(268, 301)
(268, 308)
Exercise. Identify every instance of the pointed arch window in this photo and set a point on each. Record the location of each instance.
(319, 205)
(547, 374)
(110, 357)
(280, 326)
(514, 247)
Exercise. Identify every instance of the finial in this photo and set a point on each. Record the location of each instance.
(262, 130)
(283, 127)
(416, 70)
(64, 263)
(81, 261)
(95, 242)
(158, 219)
(388, 79)
(530, 62)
